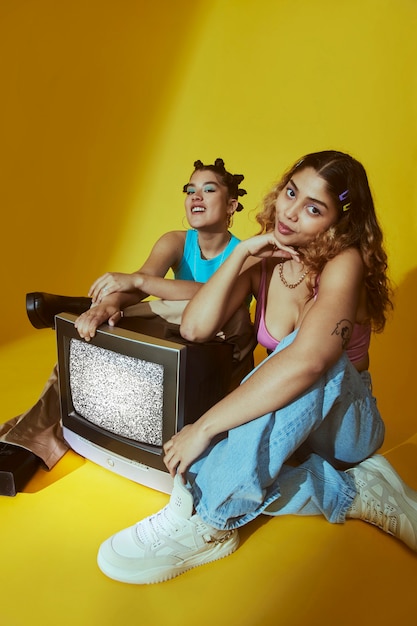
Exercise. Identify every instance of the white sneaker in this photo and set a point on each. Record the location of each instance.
(385, 500)
(166, 544)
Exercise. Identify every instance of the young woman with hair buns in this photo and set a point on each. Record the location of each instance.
(212, 198)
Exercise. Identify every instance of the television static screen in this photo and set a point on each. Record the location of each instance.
(119, 393)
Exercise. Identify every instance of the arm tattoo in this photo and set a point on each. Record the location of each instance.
(344, 329)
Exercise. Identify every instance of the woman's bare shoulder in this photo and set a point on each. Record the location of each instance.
(342, 278)
(347, 260)
(173, 236)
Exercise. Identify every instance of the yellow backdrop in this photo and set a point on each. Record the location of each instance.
(104, 106)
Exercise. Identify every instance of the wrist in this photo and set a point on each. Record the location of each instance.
(243, 250)
(139, 282)
(207, 425)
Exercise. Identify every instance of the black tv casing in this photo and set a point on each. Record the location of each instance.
(197, 375)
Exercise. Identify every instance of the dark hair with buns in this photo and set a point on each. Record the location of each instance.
(231, 181)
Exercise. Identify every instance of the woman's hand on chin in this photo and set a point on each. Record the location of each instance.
(267, 245)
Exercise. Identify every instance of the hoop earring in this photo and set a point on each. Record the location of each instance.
(230, 220)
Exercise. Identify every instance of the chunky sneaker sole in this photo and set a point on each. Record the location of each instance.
(166, 544)
(149, 568)
(386, 500)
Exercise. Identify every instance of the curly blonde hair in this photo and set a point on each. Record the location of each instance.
(357, 226)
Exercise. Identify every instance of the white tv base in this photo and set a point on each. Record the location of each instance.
(139, 473)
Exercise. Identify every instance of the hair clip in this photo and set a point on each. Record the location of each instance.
(342, 198)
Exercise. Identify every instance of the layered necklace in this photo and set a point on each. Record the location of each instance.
(284, 281)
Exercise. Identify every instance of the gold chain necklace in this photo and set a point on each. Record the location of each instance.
(284, 282)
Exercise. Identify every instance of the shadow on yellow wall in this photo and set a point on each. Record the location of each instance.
(84, 87)
(393, 365)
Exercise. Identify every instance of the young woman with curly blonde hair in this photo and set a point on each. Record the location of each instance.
(299, 435)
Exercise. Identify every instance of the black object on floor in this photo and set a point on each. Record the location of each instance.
(17, 466)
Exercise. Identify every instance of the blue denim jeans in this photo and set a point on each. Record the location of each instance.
(335, 424)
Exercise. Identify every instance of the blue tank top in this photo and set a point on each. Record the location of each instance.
(193, 267)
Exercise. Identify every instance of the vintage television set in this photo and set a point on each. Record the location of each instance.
(128, 390)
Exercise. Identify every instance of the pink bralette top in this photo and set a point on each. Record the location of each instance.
(358, 345)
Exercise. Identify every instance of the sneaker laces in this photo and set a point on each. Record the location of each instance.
(162, 523)
(387, 519)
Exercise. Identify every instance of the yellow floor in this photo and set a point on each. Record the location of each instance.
(290, 571)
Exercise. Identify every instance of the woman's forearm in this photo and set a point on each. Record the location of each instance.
(280, 379)
(166, 288)
(217, 299)
(275, 384)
